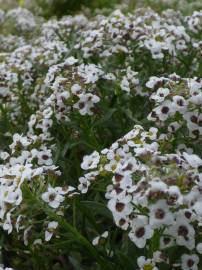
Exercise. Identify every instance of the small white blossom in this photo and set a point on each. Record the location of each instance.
(50, 230)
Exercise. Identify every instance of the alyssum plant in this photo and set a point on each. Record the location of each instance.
(100, 141)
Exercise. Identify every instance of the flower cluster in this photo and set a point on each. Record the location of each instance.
(150, 193)
(160, 35)
(22, 163)
(178, 104)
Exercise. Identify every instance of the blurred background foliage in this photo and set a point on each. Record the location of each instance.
(58, 8)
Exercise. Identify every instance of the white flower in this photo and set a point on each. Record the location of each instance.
(23, 18)
(4, 155)
(125, 85)
(160, 215)
(97, 240)
(145, 264)
(50, 230)
(45, 157)
(189, 262)
(90, 161)
(19, 139)
(64, 190)
(120, 206)
(199, 248)
(52, 197)
(194, 160)
(160, 95)
(155, 48)
(70, 61)
(84, 184)
(37, 242)
(159, 256)
(153, 81)
(183, 232)
(197, 207)
(183, 148)
(7, 226)
(174, 196)
(141, 231)
(165, 110)
(91, 73)
(76, 88)
(174, 126)
(5, 268)
(180, 104)
(86, 103)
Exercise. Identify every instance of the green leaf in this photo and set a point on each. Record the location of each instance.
(106, 117)
(98, 208)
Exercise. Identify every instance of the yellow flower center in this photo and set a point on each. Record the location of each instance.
(117, 158)
(148, 267)
(137, 141)
(113, 167)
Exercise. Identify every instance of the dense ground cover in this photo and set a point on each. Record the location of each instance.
(101, 135)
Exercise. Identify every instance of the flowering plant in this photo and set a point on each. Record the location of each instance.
(100, 139)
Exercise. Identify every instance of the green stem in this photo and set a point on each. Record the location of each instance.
(65, 225)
